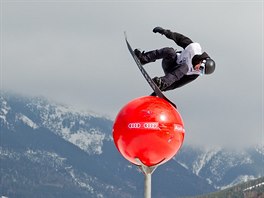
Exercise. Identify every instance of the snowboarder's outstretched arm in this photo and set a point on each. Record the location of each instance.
(178, 38)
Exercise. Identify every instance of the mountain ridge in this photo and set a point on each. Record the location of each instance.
(79, 146)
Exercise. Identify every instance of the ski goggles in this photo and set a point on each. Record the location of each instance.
(202, 67)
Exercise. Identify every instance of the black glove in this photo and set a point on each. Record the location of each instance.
(159, 30)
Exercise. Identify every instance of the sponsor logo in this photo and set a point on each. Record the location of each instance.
(134, 125)
(178, 128)
(143, 125)
(151, 125)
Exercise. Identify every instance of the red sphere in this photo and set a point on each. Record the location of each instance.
(150, 129)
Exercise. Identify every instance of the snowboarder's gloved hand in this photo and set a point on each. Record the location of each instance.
(159, 30)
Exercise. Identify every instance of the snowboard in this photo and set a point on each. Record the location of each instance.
(155, 88)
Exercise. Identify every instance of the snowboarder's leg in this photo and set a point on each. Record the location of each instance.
(166, 53)
(165, 81)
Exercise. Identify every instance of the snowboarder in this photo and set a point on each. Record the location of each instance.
(180, 67)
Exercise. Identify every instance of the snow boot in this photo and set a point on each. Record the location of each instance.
(145, 57)
(160, 83)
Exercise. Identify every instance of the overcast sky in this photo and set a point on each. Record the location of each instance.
(74, 52)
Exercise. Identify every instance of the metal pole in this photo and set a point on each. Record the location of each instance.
(147, 193)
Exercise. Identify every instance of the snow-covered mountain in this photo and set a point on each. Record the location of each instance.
(223, 167)
(61, 152)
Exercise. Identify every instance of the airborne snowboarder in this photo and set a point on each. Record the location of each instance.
(180, 67)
